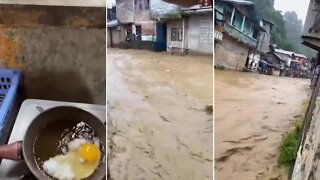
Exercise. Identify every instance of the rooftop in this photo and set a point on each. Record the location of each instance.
(283, 51)
(240, 2)
(266, 20)
(112, 23)
(289, 53)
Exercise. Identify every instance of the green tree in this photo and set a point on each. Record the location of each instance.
(294, 28)
(287, 29)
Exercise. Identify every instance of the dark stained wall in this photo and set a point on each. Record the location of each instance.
(61, 50)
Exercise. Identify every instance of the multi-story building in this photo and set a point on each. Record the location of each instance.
(184, 29)
(241, 29)
(161, 26)
(136, 28)
(307, 160)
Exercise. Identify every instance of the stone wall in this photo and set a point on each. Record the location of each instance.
(61, 51)
(230, 53)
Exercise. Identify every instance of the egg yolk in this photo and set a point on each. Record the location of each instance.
(89, 152)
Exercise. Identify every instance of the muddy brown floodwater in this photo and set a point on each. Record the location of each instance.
(252, 112)
(157, 126)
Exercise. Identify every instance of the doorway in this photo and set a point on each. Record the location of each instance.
(161, 37)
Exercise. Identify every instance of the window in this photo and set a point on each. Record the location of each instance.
(147, 4)
(255, 34)
(227, 16)
(173, 34)
(176, 34)
(141, 5)
(237, 20)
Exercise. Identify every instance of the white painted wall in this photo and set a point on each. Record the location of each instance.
(200, 33)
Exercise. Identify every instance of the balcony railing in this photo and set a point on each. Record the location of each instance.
(236, 33)
(218, 35)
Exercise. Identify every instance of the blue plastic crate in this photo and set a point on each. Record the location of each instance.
(10, 80)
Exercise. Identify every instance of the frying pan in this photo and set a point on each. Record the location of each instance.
(44, 134)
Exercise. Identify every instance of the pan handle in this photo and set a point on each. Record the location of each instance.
(11, 151)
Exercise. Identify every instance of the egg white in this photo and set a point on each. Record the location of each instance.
(71, 166)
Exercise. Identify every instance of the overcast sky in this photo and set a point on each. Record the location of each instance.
(299, 6)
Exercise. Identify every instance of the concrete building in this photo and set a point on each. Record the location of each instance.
(263, 45)
(218, 30)
(164, 15)
(113, 28)
(307, 161)
(199, 28)
(161, 26)
(291, 63)
(265, 36)
(115, 34)
(291, 58)
(184, 29)
(311, 33)
(136, 27)
(241, 32)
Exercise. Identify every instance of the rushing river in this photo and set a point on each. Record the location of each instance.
(252, 112)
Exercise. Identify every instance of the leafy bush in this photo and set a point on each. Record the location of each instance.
(289, 149)
(290, 145)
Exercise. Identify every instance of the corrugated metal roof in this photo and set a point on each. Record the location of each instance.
(283, 51)
(301, 55)
(242, 2)
(289, 53)
(279, 57)
(267, 21)
(112, 23)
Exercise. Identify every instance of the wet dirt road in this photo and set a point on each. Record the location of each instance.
(252, 112)
(157, 126)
